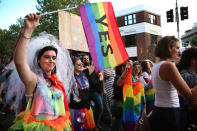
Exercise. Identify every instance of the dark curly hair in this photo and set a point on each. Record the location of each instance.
(187, 56)
(144, 65)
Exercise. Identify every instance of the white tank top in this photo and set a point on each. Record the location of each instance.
(165, 93)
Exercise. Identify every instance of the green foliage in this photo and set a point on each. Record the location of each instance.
(7, 42)
(194, 41)
(49, 23)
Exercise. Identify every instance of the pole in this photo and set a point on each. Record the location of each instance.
(177, 19)
(47, 13)
(52, 12)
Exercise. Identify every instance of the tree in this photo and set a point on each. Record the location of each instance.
(8, 39)
(194, 40)
(7, 42)
(49, 23)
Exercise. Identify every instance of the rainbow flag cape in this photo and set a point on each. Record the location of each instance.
(103, 37)
(133, 102)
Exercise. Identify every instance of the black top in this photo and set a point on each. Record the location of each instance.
(80, 92)
(96, 85)
(118, 94)
(84, 103)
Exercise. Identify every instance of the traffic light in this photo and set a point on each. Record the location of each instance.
(170, 16)
(184, 13)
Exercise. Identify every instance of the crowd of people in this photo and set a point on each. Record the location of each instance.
(51, 90)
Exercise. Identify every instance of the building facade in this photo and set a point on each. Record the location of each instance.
(187, 37)
(140, 28)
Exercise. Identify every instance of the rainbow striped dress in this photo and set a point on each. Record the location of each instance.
(47, 111)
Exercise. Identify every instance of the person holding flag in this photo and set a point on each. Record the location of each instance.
(38, 61)
(117, 102)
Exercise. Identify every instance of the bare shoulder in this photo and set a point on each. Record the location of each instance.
(167, 69)
(168, 66)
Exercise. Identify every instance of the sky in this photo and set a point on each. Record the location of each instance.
(11, 10)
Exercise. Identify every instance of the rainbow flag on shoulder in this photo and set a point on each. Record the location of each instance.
(103, 37)
(133, 102)
(150, 99)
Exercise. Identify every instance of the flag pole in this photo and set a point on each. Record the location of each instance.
(47, 13)
(55, 11)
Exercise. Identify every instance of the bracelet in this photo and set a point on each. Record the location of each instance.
(29, 95)
(24, 36)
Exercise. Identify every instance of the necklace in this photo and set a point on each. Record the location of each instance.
(49, 85)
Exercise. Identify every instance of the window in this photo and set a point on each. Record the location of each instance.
(152, 19)
(129, 40)
(153, 39)
(130, 19)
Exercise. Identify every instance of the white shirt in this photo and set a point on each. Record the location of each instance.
(165, 93)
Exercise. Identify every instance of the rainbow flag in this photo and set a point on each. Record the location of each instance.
(150, 99)
(103, 37)
(133, 102)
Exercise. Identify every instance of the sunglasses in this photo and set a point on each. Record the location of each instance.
(80, 64)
